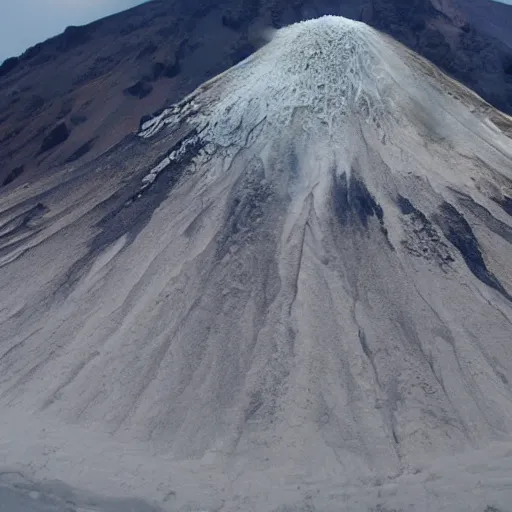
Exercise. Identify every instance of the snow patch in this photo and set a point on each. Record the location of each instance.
(328, 66)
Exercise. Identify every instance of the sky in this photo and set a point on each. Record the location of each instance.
(23, 23)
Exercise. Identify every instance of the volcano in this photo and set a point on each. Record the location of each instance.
(290, 291)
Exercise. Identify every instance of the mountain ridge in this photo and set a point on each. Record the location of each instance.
(115, 71)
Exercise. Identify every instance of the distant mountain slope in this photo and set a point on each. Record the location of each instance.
(70, 98)
(491, 17)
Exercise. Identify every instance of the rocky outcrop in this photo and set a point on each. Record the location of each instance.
(57, 136)
(139, 90)
(15, 173)
(8, 65)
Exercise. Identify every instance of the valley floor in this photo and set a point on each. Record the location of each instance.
(41, 461)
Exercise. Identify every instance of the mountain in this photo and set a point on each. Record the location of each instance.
(291, 290)
(491, 18)
(69, 99)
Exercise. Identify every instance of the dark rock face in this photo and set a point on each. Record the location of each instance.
(161, 50)
(242, 52)
(73, 37)
(77, 120)
(459, 233)
(57, 136)
(140, 89)
(8, 65)
(81, 151)
(172, 70)
(424, 240)
(15, 173)
(406, 206)
(486, 217)
(353, 202)
(505, 203)
(33, 105)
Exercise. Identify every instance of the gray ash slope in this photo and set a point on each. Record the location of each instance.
(302, 271)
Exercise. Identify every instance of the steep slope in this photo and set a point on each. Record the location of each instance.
(301, 271)
(490, 17)
(67, 100)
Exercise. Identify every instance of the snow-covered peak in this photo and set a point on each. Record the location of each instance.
(330, 78)
(328, 66)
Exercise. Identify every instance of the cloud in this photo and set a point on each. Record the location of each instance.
(28, 22)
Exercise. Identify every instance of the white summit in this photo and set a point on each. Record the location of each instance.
(291, 292)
